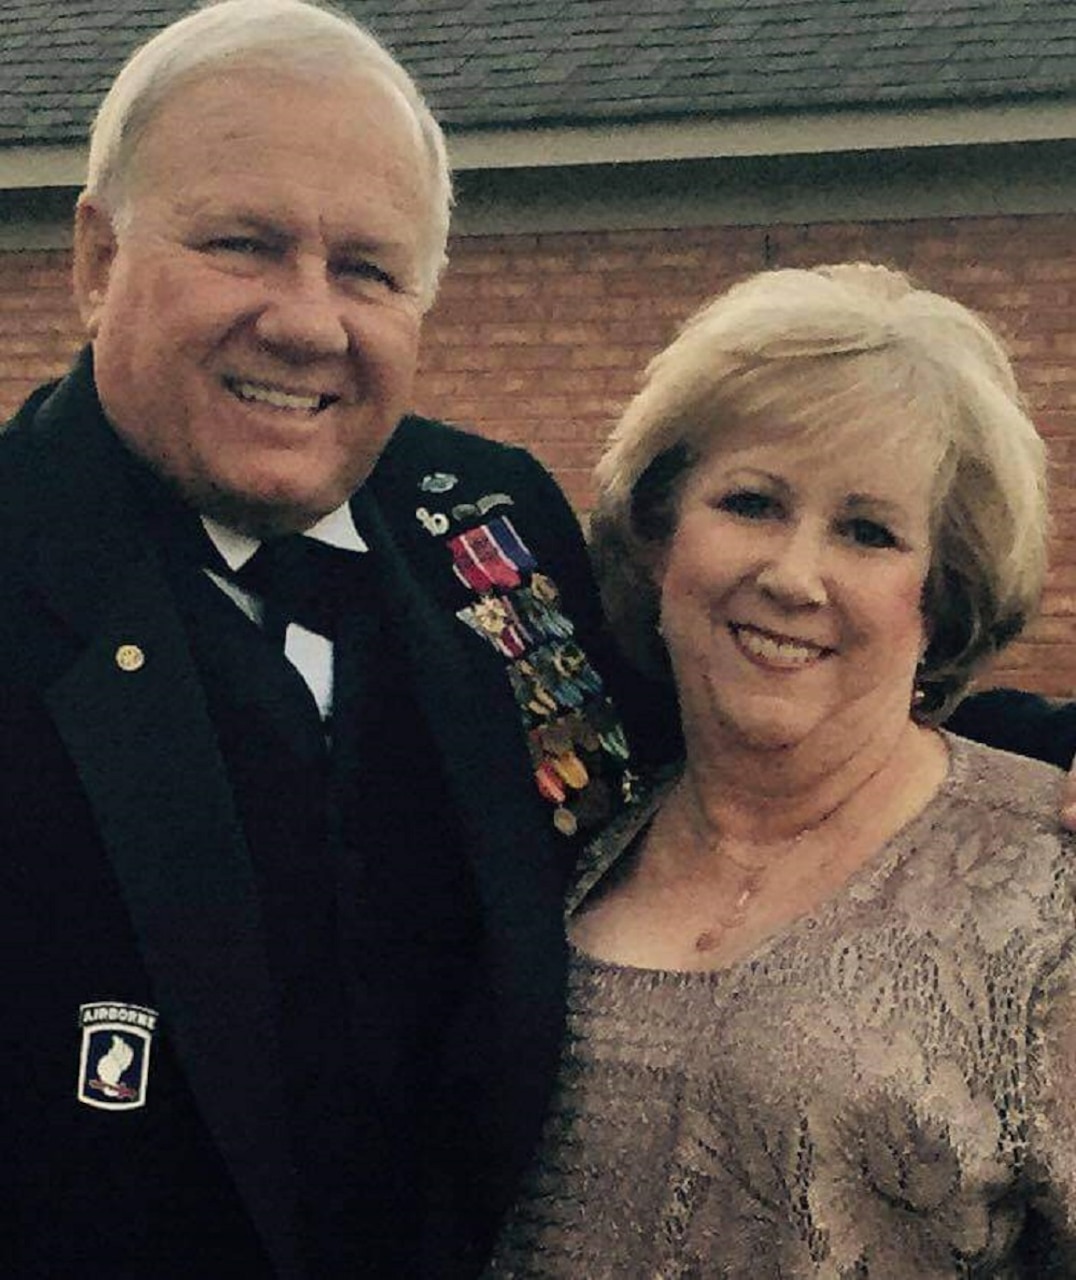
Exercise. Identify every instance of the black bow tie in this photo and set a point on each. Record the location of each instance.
(303, 580)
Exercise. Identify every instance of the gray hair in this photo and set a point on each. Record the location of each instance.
(791, 348)
(307, 39)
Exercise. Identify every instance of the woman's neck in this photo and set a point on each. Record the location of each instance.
(733, 794)
(749, 841)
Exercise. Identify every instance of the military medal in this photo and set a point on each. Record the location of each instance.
(565, 821)
(549, 783)
(494, 618)
(573, 733)
(571, 769)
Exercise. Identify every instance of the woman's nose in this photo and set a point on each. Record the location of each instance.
(793, 571)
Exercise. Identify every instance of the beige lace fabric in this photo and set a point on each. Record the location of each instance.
(886, 1089)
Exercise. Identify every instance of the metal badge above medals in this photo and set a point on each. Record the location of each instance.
(579, 753)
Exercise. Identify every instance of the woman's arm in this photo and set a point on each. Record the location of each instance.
(1050, 1234)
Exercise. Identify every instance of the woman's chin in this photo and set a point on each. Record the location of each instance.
(766, 735)
(768, 725)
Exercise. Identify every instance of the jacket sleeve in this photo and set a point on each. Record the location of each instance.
(1024, 723)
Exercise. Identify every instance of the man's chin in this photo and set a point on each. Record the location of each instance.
(266, 516)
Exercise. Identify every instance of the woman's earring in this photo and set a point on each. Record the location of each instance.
(918, 692)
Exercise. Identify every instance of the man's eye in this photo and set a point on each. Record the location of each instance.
(365, 270)
(246, 246)
(749, 504)
(869, 533)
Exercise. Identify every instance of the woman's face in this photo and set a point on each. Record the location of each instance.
(791, 587)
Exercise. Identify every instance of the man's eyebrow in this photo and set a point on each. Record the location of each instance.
(241, 220)
(371, 245)
(278, 228)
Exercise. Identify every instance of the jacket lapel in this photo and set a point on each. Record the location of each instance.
(131, 713)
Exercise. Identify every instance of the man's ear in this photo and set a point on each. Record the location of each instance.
(94, 253)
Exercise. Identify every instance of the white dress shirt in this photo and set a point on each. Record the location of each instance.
(309, 653)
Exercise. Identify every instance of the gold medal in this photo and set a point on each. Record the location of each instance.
(571, 769)
(545, 589)
(564, 821)
(491, 615)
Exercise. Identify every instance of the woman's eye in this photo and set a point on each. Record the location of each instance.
(869, 533)
(749, 504)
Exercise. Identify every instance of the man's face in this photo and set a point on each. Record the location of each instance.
(255, 325)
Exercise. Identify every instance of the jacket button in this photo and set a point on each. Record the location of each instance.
(129, 657)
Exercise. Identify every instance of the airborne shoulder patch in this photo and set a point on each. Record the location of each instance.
(113, 1069)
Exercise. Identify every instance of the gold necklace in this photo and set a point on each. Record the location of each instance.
(711, 938)
(753, 877)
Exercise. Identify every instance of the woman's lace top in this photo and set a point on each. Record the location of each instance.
(885, 1089)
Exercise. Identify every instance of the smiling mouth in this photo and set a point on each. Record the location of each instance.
(263, 393)
(777, 650)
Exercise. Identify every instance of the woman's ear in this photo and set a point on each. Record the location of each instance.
(94, 253)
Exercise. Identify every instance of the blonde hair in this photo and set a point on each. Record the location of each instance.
(788, 346)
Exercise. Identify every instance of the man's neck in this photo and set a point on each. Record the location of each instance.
(337, 529)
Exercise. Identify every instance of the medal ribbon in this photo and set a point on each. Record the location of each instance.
(480, 563)
(510, 544)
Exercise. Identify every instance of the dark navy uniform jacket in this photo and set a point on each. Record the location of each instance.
(247, 1030)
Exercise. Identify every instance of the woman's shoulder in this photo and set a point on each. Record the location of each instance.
(991, 843)
(1000, 783)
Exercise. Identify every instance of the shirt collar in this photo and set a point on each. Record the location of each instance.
(337, 529)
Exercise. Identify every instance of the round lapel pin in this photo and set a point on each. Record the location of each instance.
(129, 657)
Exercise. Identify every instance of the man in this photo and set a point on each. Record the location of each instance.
(281, 892)
(281, 895)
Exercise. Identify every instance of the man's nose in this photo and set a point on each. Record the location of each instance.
(794, 568)
(303, 312)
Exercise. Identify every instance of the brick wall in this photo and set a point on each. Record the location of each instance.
(39, 327)
(539, 339)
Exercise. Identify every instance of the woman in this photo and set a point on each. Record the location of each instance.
(822, 1019)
